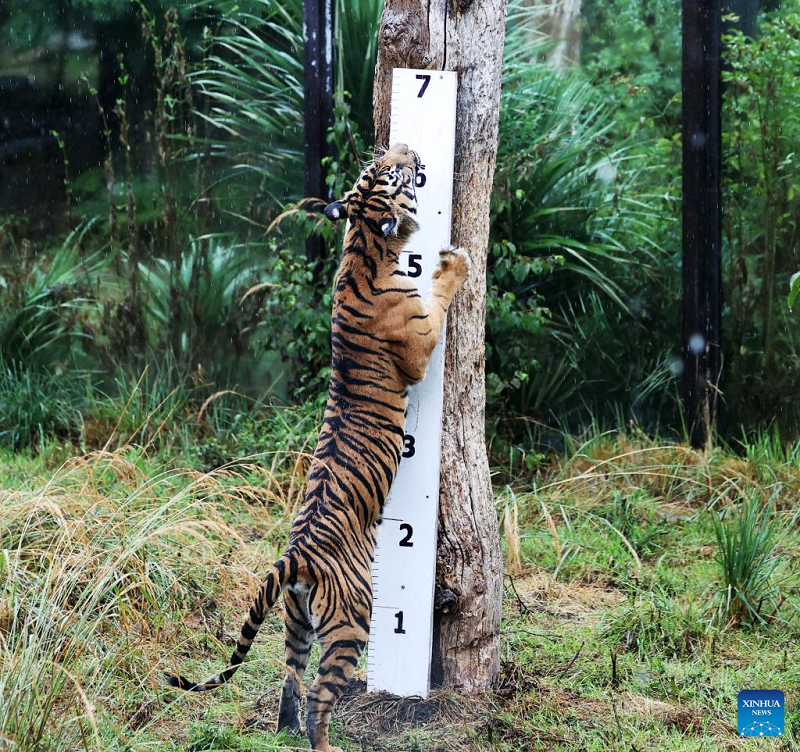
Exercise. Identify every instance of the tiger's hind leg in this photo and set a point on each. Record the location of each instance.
(341, 648)
(299, 635)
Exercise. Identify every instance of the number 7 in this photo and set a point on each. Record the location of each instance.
(426, 79)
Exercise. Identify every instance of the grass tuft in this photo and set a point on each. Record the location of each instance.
(748, 559)
(95, 564)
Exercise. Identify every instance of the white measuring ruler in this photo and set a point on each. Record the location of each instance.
(403, 576)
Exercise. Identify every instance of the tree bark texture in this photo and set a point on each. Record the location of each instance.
(465, 36)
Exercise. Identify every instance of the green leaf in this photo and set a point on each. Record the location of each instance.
(794, 289)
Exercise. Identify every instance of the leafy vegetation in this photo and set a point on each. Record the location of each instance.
(44, 301)
(164, 349)
(794, 289)
(120, 565)
(38, 405)
(761, 222)
(747, 560)
(570, 224)
(205, 269)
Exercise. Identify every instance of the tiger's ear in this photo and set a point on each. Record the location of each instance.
(388, 226)
(336, 210)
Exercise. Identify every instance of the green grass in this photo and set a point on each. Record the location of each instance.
(117, 566)
(36, 406)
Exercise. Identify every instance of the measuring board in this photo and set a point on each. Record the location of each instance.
(401, 633)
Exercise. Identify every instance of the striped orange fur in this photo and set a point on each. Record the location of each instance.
(382, 336)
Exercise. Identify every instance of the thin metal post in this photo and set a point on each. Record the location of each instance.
(702, 149)
(318, 103)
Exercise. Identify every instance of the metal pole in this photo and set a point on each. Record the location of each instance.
(702, 147)
(318, 103)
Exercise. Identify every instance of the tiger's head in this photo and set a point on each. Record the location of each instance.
(384, 196)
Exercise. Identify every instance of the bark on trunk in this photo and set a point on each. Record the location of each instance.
(465, 36)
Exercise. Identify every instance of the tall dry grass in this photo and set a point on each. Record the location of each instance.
(96, 568)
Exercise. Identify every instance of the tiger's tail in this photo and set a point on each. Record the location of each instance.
(283, 571)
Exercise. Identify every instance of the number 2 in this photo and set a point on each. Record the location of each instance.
(406, 542)
(426, 79)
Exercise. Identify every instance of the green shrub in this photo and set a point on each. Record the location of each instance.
(232, 428)
(632, 53)
(762, 206)
(199, 311)
(573, 244)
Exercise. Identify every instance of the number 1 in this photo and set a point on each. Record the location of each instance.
(399, 617)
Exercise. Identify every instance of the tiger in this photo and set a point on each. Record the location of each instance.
(382, 337)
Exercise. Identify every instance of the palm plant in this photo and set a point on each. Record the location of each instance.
(356, 37)
(45, 301)
(252, 81)
(197, 310)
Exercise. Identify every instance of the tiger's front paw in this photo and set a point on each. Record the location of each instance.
(453, 261)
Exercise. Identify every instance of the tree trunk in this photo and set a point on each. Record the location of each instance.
(465, 36)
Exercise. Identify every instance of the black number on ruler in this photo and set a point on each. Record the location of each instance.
(407, 542)
(420, 180)
(408, 443)
(426, 79)
(399, 617)
(414, 267)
